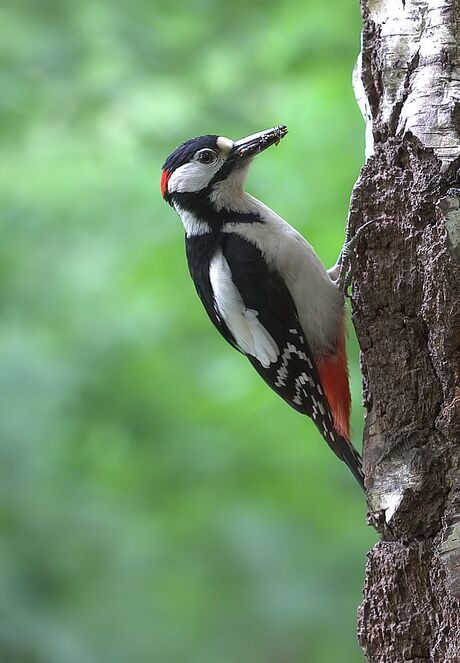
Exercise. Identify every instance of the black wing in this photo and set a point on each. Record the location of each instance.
(200, 250)
(293, 376)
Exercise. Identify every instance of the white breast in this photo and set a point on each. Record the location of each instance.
(249, 334)
(318, 301)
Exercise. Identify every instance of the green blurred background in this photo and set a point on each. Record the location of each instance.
(157, 501)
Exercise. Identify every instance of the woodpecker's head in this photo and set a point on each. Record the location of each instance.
(208, 169)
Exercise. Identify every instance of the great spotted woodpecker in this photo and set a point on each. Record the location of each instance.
(261, 282)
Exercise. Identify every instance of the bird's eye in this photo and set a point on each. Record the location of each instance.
(206, 156)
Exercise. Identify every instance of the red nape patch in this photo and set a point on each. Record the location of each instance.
(165, 175)
(333, 375)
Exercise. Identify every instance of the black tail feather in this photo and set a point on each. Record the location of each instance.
(352, 458)
(344, 450)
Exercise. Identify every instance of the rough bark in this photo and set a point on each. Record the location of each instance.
(406, 310)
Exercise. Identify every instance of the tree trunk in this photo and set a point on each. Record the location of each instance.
(406, 310)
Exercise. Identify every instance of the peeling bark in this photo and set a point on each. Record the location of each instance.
(406, 310)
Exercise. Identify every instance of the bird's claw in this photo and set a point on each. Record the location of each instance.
(342, 272)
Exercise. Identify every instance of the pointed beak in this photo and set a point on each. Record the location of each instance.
(256, 143)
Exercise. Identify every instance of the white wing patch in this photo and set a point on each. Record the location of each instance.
(249, 334)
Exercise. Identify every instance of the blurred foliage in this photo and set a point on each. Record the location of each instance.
(158, 503)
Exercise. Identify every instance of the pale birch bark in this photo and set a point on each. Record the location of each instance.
(406, 310)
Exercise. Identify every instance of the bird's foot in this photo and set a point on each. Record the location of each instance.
(342, 272)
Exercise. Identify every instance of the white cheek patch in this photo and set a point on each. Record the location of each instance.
(192, 176)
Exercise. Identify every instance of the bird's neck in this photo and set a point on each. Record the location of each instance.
(208, 212)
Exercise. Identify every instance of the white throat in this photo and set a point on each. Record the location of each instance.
(228, 194)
